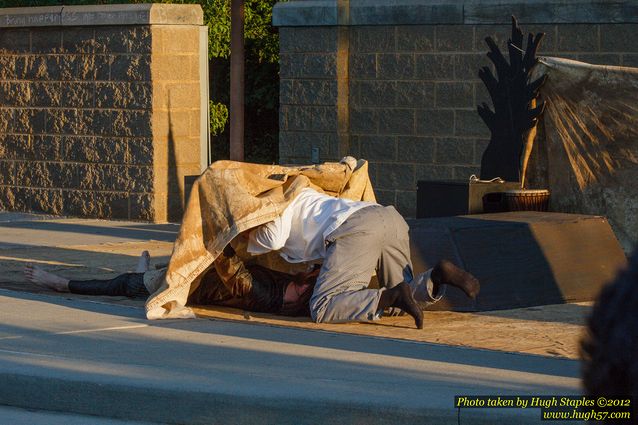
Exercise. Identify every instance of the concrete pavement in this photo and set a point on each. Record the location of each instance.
(101, 358)
(97, 359)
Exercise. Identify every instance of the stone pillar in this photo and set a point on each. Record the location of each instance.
(397, 82)
(103, 109)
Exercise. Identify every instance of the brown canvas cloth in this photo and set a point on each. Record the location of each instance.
(229, 198)
(586, 151)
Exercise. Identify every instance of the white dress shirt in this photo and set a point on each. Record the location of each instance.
(301, 230)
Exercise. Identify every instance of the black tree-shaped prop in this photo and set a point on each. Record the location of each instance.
(515, 110)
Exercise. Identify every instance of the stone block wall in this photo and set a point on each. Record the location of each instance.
(405, 97)
(85, 110)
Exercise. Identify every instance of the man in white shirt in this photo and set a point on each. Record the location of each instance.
(353, 239)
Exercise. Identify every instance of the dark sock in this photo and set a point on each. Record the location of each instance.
(401, 297)
(446, 273)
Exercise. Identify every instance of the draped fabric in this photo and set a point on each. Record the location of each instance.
(231, 197)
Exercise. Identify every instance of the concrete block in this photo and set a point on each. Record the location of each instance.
(300, 144)
(406, 203)
(46, 94)
(7, 172)
(139, 151)
(396, 121)
(454, 151)
(432, 122)
(285, 91)
(299, 39)
(46, 40)
(30, 121)
(6, 120)
(136, 95)
(11, 97)
(314, 65)
(435, 66)
(14, 41)
(16, 146)
(33, 67)
(363, 120)
(140, 179)
(578, 38)
(78, 95)
(466, 66)
(298, 118)
(415, 149)
(415, 38)
(103, 177)
(323, 118)
(79, 40)
(96, 204)
(396, 176)
(385, 197)
(47, 148)
(313, 92)
(8, 67)
(132, 123)
(131, 67)
(373, 39)
(373, 93)
(174, 67)
(415, 94)
(464, 172)
(618, 38)
(454, 95)
(95, 150)
(47, 201)
(468, 123)
(395, 66)
(363, 66)
(36, 174)
(375, 147)
(121, 39)
(176, 39)
(454, 38)
(142, 207)
(434, 172)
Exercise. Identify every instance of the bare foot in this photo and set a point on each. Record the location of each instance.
(35, 274)
(446, 273)
(143, 263)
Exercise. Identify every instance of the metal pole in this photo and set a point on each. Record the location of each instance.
(237, 80)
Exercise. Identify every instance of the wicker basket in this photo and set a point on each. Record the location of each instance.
(526, 200)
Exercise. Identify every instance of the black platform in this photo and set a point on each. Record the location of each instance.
(521, 258)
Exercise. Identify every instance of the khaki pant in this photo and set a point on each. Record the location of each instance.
(374, 237)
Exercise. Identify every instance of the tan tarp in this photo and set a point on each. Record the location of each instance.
(230, 197)
(586, 152)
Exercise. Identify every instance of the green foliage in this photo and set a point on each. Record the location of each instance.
(218, 117)
(262, 70)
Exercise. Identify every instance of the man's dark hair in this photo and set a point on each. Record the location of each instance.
(610, 347)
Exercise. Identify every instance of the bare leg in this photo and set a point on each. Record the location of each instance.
(35, 274)
(446, 273)
(143, 263)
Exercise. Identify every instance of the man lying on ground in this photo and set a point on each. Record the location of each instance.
(353, 238)
(230, 283)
